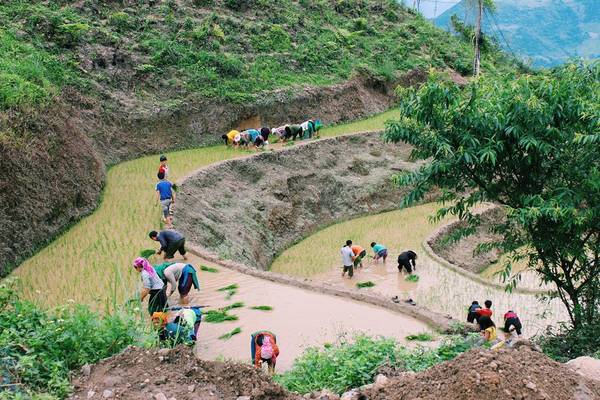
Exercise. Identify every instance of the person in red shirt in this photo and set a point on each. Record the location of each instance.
(485, 312)
(163, 167)
(512, 322)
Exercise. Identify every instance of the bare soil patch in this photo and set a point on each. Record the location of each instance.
(462, 253)
(521, 373)
(141, 374)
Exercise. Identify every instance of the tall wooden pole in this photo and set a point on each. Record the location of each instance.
(477, 60)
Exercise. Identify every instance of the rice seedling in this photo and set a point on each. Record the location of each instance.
(230, 294)
(262, 308)
(208, 269)
(366, 284)
(238, 304)
(147, 253)
(420, 337)
(231, 287)
(228, 335)
(218, 316)
(412, 278)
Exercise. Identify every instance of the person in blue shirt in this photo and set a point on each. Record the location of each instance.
(380, 251)
(166, 197)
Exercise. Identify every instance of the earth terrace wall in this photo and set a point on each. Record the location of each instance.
(259, 205)
(54, 167)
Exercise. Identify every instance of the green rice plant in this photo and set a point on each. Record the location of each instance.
(218, 316)
(147, 253)
(233, 286)
(412, 278)
(238, 304)
(366, 284)
(229, 335)
(208, 269)
(420, 337)
(262, 308)
(230, 294)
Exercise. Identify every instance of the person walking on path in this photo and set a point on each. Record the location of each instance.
(263, 348)
(380, 251)
(171, 242)
(347, 262)
(152, 285)
(405, 259)
(359, 254)
(181, 276)
(166, 197)
(163, 167)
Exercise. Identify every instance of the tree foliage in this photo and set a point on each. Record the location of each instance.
(530, 143)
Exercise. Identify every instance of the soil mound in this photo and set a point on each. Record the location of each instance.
(141, 374)
(521, 373)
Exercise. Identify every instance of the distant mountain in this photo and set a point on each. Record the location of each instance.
(546, 32)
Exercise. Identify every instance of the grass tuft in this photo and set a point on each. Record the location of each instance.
(366, 284)
(228, 335)
(420, 337)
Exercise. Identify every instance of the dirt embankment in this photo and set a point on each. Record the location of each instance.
(249, 210)
(481, 374)
(462, 253)
(53, 160)
(521, 373)
(140, 374)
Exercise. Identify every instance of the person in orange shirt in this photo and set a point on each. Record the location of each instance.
(359, 254)
(263, 348)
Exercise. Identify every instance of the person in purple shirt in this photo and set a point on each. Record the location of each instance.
(171, 242)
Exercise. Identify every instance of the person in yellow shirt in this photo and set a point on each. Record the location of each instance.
(229, 138)
(487, 328)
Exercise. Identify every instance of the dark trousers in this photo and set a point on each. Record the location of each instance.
(174, 247)
(406, 265)
(472, 317)
(516, 322)
(157, 301)
(349, 269)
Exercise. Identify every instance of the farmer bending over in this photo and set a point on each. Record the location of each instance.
(405, 259)
(487, 311)
(229, 138)
(359, 254)
(487, 329)
(263, 348)
(152, 285)
(181, 276)
(472, 314)
(171, 241)
(347, 262)
(293, 131)
(380, 251)
(512, 323)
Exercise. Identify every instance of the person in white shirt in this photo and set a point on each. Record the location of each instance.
(347, 261)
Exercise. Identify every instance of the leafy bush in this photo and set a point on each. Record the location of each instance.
(565, 343)
(119, 19)
(354, 363)
(420, 337)
(40, 347)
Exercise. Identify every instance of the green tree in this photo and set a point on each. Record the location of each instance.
(531, 144)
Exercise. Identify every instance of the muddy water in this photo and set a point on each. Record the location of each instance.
(299, 318)
(438, 288)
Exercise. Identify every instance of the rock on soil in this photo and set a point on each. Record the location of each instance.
(139, 374)
(521, 373)
(586, 366)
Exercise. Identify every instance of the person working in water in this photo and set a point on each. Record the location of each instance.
(263, 348)
(181, 276)
(347, 262)
(152, 285)
(405, 259)
(359, 254)
(171, 242)
(380, 251)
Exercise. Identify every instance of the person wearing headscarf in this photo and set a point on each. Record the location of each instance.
(152, 286)
(263, 348)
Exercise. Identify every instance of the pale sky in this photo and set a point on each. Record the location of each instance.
(428, 7)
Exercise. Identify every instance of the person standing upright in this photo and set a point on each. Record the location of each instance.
(347, 259)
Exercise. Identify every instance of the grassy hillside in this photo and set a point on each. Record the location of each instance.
(162, 51)
(546, 32)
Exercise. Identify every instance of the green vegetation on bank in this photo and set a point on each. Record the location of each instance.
(351, 364)
(39, 348)
(169, 49)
